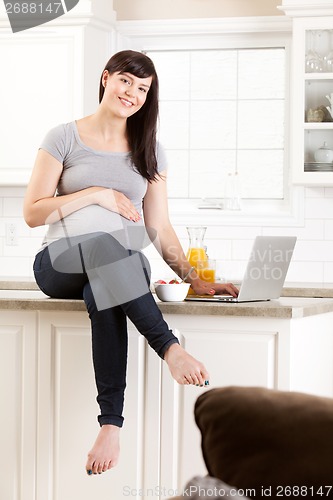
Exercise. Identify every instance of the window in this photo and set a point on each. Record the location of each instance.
(224, 111)
(224, 89)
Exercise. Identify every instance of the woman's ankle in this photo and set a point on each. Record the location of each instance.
(172, 350)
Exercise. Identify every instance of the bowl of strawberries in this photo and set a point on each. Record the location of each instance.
(171, 291)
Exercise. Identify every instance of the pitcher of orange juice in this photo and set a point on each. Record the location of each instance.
(197, 255)
(196, 251)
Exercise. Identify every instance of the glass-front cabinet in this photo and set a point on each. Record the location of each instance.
(312, 101)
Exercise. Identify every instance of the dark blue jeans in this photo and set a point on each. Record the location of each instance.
(114, 284)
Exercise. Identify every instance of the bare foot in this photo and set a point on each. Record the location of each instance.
(105, 452)
(184, 368)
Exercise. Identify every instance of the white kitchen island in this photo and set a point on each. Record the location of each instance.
(48, 419)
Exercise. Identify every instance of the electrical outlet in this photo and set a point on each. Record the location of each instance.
(11, 234)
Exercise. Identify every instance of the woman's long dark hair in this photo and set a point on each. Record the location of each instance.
(141, 127)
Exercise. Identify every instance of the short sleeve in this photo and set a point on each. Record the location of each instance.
(161, 156)
(55, 142)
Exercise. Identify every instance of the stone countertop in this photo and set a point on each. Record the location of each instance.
(291, 289)
(18, 283)
(283, 308)
(324, 290)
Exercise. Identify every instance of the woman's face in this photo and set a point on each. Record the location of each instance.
(125, 93)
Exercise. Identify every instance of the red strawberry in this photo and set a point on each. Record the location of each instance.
(161, 282)
(173, 282)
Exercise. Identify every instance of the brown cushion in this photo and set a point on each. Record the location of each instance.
(262, 438)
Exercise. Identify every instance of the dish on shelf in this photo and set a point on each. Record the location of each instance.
(319, 163)
(318, 166)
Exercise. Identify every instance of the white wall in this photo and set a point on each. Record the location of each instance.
(185, 9)
(312, 261)
(313, 258)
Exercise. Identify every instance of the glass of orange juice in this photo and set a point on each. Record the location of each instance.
(206, 270)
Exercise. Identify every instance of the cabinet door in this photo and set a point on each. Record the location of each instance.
(39, 71)
(234, 353)
(52, 75)
(312, 84)
(67, 411)
(18, 387)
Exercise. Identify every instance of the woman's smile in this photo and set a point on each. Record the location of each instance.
(126, 102)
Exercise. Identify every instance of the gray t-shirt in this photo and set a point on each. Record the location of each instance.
(84, 167)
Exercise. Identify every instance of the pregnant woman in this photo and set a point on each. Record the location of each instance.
(94, 182)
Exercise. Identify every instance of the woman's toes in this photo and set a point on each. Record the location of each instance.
(89, 465)
(95, 468)
(194, 380)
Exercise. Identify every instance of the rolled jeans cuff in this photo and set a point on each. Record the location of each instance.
(167, 345)
(110, 420)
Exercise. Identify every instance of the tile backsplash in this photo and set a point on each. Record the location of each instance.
(312, 260)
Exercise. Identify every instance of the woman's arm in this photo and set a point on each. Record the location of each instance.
(41, 206)
(156, 215)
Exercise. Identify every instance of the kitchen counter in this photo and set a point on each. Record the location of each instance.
(285, 307)
(324, 290)
(45, 358)
(18, 283)
(291, 289)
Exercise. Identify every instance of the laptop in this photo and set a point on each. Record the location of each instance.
(265, 272)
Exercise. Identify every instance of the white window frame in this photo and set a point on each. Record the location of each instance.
(217, 33)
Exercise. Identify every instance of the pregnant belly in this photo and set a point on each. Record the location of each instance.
(94, 219)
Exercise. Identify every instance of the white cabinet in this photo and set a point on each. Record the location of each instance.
(246, 351)
(48, 420)
(49, 75)
(312, 81)
(236, 351)
(67, 411)
(18, 390)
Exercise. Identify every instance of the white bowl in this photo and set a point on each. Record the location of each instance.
(174, 292)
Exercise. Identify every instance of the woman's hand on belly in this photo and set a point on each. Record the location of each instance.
(116, 201)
